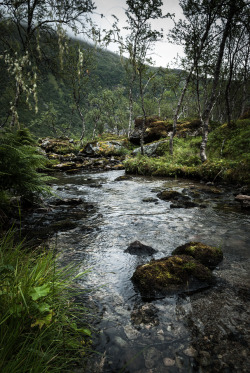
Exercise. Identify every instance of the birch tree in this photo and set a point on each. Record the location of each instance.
(138, 44)
(25, 25)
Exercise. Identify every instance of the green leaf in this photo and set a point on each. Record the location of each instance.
(44, 321)
(85, 331)
(43, 307)
(40, 291)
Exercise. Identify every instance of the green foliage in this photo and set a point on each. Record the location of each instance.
(39, 323)
(19, 162)
(186, 161)
(231, 141)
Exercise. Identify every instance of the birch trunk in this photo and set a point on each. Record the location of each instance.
(211, 101)
(14, 115)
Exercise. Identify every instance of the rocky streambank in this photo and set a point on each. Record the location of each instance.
(65, 155)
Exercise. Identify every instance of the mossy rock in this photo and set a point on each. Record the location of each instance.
(123, 177)
(169, 195)
(58, 146)
(169, 275)
(64, 166)
(209, 256)
(155, 129)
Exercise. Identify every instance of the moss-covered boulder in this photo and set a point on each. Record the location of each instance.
(169, 275)
(154, 149)
(207, 255)
(169, 195)
(189, 128)
(155, 129)
(104, 148)
(58, 146)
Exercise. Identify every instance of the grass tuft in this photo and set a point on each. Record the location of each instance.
(41, 327)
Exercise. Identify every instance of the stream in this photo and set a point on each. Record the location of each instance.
(207, 331)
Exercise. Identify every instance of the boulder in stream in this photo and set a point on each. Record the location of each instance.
(138, 248)
(170, 195)
(207, 255)
(244, 200)
(169, 275)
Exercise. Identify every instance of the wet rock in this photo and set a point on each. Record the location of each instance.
(211, 190)
(131, 332)
(145, 314)
(168, 362)
(207, 255)
(152, 357)
(174, 274)
(204, 358)
(138, 248)
(179, 362)
(123, 177)
(64, 166)
(132, 360)
(150, 199)
(72, 171)
(95, 185)
(190, 351)
(63, 225)
(244, 201)
(185, 205)
(169, 195)
(67, 201)
(120, 342)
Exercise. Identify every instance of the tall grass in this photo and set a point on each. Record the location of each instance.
(41, 328)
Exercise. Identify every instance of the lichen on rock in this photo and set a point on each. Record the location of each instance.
(173, 274)
(207, 255)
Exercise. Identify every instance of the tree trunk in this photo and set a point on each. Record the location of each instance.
(171, 140)
(211, 101)
(83, 124)
(14, 115)
(130, 112)
(144, 113)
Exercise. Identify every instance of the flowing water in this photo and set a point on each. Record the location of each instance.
(203, 332)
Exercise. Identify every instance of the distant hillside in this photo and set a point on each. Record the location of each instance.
(54, 93)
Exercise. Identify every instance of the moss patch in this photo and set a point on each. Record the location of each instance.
(170, 275)
(209, 256)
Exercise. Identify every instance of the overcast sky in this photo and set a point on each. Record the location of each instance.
(164, 53)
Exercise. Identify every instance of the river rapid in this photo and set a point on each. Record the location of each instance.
(206, 331)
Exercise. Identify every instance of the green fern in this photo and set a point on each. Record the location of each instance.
(19, 164)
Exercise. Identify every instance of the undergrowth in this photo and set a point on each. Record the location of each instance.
(234, 167)
(41, 327)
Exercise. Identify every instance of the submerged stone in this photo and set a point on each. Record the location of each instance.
(185, 205)
(207, 255)
(147, 314)
(138, 248)
(174, 274)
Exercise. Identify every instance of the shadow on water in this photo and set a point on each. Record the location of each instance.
(202, 332)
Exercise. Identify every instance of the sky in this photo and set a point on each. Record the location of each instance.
(164, 52)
